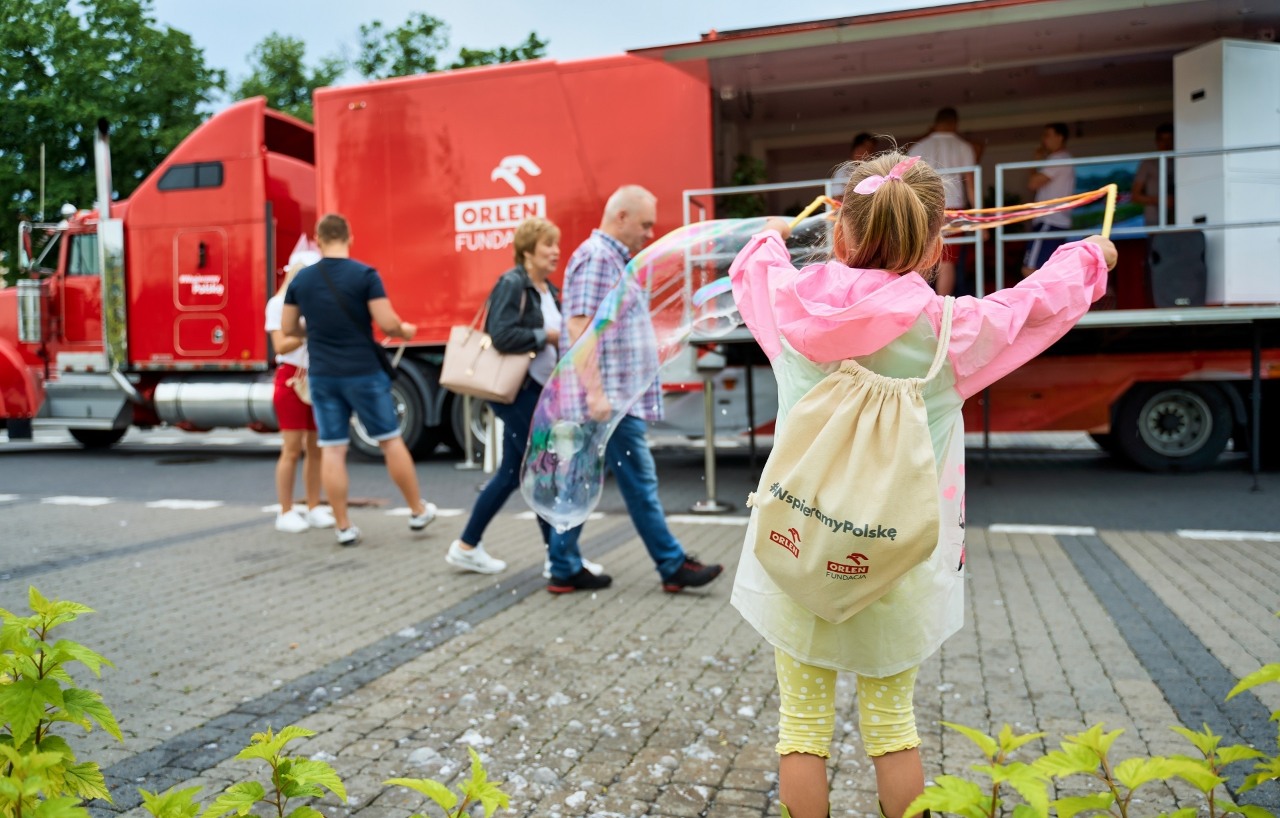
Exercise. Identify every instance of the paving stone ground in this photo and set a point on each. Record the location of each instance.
(625, 702)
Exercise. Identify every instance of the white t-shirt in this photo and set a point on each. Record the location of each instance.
(1062, 182)
(944, 149)
(275, 313)
(542, 365)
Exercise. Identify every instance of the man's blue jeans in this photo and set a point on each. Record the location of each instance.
(627, 456)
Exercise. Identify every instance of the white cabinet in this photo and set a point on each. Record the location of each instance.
(1227, 94)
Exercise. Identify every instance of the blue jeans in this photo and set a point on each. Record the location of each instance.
(627, 456)
(333, 399)
(516, 417)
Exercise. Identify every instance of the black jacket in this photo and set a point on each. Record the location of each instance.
(514, 329)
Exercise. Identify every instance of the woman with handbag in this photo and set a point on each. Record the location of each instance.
(294, 417)
(523, 317)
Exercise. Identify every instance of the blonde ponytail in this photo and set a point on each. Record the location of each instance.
(898, 225)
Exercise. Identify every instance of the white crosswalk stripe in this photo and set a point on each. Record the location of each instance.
(1231, 536)
(70, 500)
(186, 505)
(1061, 530)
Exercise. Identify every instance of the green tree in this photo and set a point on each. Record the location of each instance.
(415, 47)
(280, 75)
(531, 49)
(65, 64)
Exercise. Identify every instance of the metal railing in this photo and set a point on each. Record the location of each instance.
(695, 208)
(1164, 223)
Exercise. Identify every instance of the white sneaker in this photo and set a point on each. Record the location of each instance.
(348, 536)
(320, 517)
(417, 522)
(477, 559)
(592, 567)
(293, 521)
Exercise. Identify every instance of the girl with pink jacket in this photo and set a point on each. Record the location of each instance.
(873, 302)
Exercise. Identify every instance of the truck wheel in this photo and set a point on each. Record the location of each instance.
(460, 425)
(408, 409)
(97, 438)
(1173, 427)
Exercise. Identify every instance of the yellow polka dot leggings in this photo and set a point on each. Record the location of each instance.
(807, 715)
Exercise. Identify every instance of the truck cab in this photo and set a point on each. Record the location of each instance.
(150, 310)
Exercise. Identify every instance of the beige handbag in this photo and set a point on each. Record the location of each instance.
(848, 499)
(473, 367)
(301, 386)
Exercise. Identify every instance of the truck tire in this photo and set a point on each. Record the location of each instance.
(408, 403)
(1173, 427)
(460, 425)
(97, 438)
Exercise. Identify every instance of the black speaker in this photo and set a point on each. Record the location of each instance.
(1176, 273)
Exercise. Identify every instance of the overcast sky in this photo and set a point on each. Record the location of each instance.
(227, 30)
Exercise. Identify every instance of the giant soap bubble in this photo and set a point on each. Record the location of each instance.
(607, 370)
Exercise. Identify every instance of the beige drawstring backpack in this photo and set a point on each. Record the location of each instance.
(848, 499)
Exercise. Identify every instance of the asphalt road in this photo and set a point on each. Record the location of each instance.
(1027, 480)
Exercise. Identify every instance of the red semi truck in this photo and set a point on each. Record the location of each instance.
(149, 311)
(433, 172)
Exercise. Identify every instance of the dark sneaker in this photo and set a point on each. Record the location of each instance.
(692, 574)
(584, 580)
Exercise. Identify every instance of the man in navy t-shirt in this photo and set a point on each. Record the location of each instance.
(340, 298)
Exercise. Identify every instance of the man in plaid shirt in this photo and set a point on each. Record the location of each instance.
(593, 270)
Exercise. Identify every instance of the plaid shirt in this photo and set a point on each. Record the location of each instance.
(627, 349)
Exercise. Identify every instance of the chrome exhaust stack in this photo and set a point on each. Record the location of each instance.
(102, 168)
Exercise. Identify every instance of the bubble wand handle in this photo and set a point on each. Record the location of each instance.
(1110, 212)
(808, 211)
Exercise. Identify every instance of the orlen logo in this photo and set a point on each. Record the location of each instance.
(792, 544)
(488, 224)
(840, 570)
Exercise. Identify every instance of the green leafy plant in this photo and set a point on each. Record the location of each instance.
(476, 788)
(40, 776)
(747, 170)
(291, 777)
(1089, 754)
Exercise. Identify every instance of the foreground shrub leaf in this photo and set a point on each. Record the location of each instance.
(238, 798)
(87, 704)
(86, 781)
(62, 807)
(985, 743)
(955, 796)
(173, 803)
(1264, 674)
(434, 790)
(1073, 805)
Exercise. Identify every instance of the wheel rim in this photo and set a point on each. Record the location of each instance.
(357, 428)
(479, 420)
(1175, 423)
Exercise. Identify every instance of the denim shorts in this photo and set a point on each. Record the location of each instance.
(369, 396)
